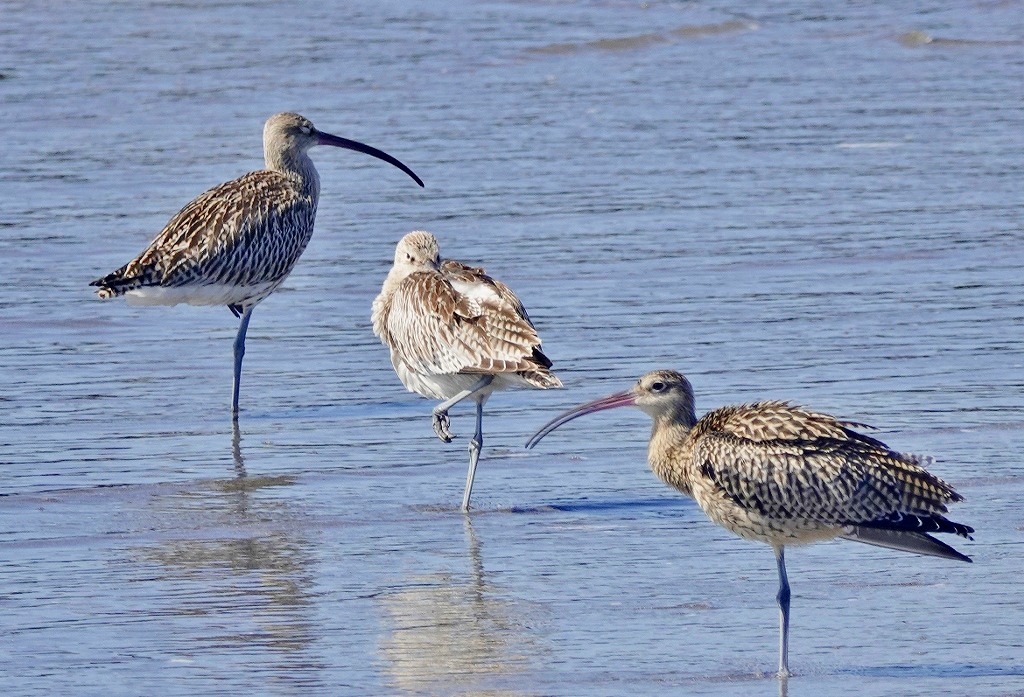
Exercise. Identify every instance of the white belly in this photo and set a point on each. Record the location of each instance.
(217, 294)
(449, 385)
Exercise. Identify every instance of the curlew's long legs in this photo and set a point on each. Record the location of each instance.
(243, 327)
(783, 598)
(441, 423)
(475, 446)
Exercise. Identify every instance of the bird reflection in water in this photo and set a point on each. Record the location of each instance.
(456, 635)
(238, 561)
(236, 449)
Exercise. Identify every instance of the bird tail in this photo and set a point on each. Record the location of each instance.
(538, 373)
(116, 283)
(910, 522)
(904, 540)
(540, 377)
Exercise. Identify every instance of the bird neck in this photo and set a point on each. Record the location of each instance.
(669, 451)
(381, 307)
(398, 273)
(669, 455)
(395, 276)
(295, 164)
(673, 414)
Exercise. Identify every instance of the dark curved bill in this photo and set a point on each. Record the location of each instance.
(619, 399)
(339, 142)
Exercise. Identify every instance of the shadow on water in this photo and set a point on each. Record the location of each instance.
(583, 506)
(587, 506)
(452, 633)
(938, 670)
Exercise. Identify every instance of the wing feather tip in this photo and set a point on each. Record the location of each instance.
(904, 541)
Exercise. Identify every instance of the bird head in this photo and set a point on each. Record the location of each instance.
(287, 131)
(287, 134)
(418, 251)
(665, 395)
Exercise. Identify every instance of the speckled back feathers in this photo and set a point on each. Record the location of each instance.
(787, 462)
(246, 232)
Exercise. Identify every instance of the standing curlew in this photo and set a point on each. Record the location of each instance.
(236, 243)
(454, 332)
(779, 474)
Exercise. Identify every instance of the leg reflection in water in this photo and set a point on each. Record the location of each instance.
(456, 632)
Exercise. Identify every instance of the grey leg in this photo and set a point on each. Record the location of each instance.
(243, 326)
(475, 446)
(441, 421)
(783, 598)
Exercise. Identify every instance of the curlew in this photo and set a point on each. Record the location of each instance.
(236, 243)
(455, 333)
(783, 475)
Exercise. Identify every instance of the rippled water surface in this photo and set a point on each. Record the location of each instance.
(819, 203)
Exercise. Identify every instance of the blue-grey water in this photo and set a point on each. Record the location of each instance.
(810, 201)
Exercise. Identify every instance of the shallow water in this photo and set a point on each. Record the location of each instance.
(812, 203)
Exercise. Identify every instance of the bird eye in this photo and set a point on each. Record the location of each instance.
(658, 386)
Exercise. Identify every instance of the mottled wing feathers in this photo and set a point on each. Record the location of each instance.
(465, 277)
(774, 420)
(459, 320)
(247, 231)
(788, 463)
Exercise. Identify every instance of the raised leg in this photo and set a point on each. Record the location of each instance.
(243, 326)
(441, 424)
(475, 446)
(441, 421)
(783, 598)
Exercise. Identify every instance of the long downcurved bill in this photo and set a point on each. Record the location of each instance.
(619, 399)
(339, 142)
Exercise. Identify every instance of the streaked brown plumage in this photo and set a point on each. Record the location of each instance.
(236, 243)
(454, 332)
(783, 475)
(239, 240)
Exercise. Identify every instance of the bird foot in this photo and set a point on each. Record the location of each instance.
(441, 424)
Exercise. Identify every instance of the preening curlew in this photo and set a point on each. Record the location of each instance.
(455, 333)
(783, 475)
(236, 243)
